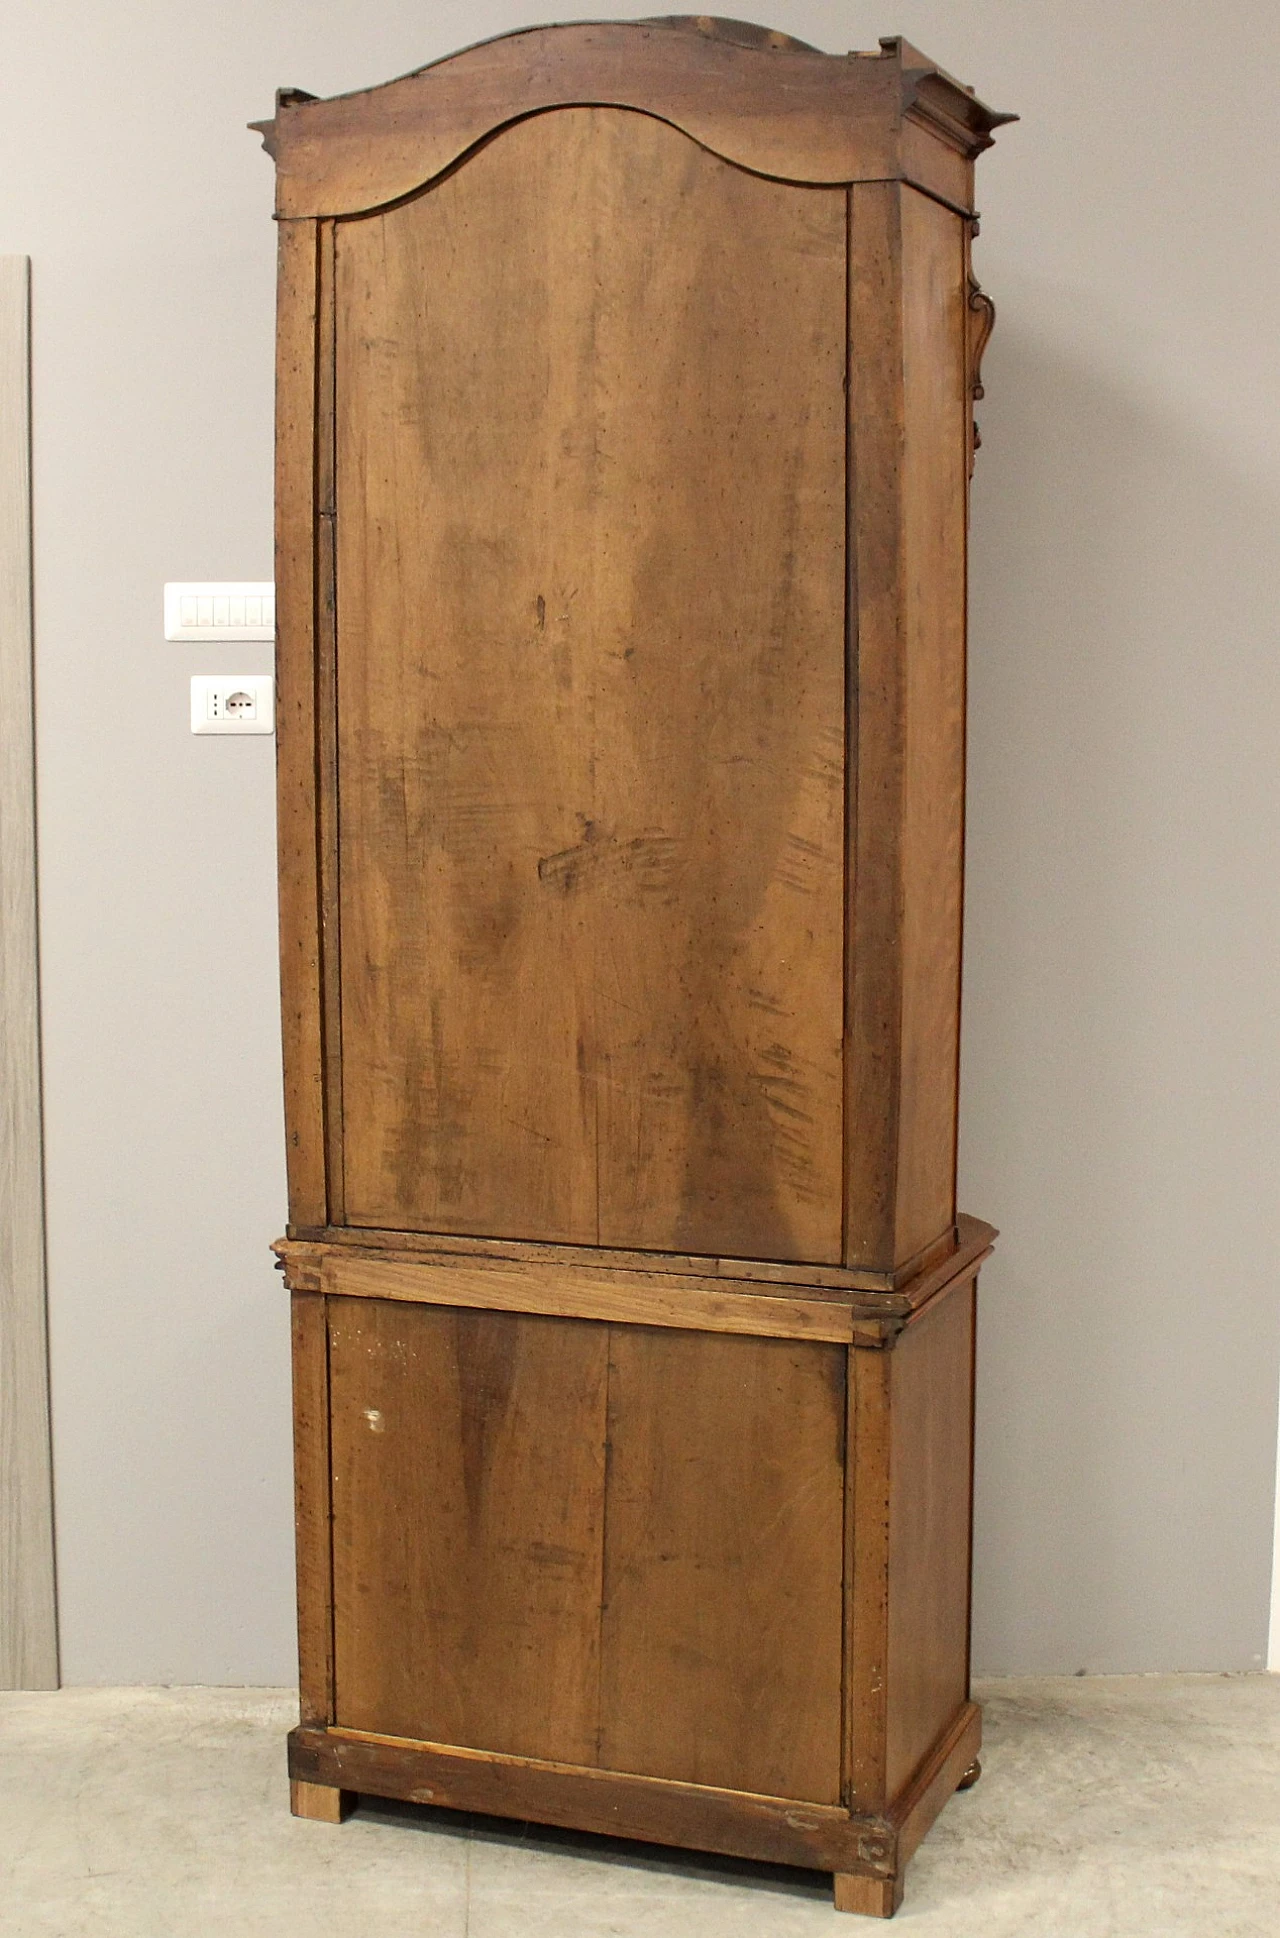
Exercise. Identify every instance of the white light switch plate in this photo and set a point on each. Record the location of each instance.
(227, 609)
(233, 703)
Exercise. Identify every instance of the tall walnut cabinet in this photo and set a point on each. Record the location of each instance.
(624, 433)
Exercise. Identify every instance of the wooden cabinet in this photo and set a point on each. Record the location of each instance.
(624, 429)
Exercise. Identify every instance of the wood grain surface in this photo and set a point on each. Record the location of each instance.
(908, 439)
(633, 1298)
(313, 1505)
(934, 501)
(931, 1482)
(468, 1495)
(621, 568)
(539, 1790)
(819, 1837)
(764, 101)
(297, 802)
(885, 1292)
(944, 1771)
(326, 725)
(28, 1619)
(876, 569)
(722, 1643)
(320, 1803)
(866, 1577)
(869, 1897)
(591, 698)
(908, 1531)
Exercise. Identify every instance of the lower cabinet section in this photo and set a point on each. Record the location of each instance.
(703, 1581)
(597, 1544)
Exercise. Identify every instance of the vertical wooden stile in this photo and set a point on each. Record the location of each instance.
(296, 780)
(313, 1510)
(934, 494)
(851, 636)
(326, 648)
(874, 999)
(867, 1601)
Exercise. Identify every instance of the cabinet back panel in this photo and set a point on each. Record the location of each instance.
(468, 1506)
(612, 1545)
(722, 1578)
(590, 497)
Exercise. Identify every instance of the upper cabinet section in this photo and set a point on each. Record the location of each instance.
(761, 100)
(625, 380)
(590, 478)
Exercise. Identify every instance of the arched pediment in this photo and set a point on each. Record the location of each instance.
(761, 100)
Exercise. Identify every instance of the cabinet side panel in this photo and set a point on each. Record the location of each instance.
(867, 1512)
(590, 651)
(874, 965)
(326, 684)
(468, 1489)
(296, 353)
(312, 1505)
(722, 1627)
(930, 1466)
(933, 537)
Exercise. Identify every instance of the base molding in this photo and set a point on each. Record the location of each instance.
(866, 1854)
(651, 1809)
(941, 1773)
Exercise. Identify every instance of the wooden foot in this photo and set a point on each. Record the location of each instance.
(320, 1802)
(874, 1897)
(970, 1776)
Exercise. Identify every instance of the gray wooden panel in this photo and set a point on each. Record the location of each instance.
(28, 1624)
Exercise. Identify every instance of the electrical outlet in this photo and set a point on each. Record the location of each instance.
(233, 703)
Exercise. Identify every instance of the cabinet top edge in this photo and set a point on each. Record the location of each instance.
(759, 99)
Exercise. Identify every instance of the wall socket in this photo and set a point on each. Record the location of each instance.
(233, 703)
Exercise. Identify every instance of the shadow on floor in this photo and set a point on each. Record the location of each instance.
(661, 1860)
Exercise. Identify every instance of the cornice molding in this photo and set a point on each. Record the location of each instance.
(761, 100)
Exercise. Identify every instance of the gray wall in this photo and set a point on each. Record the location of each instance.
(1121, 1041)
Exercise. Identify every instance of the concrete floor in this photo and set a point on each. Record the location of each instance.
(1122, 1807)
